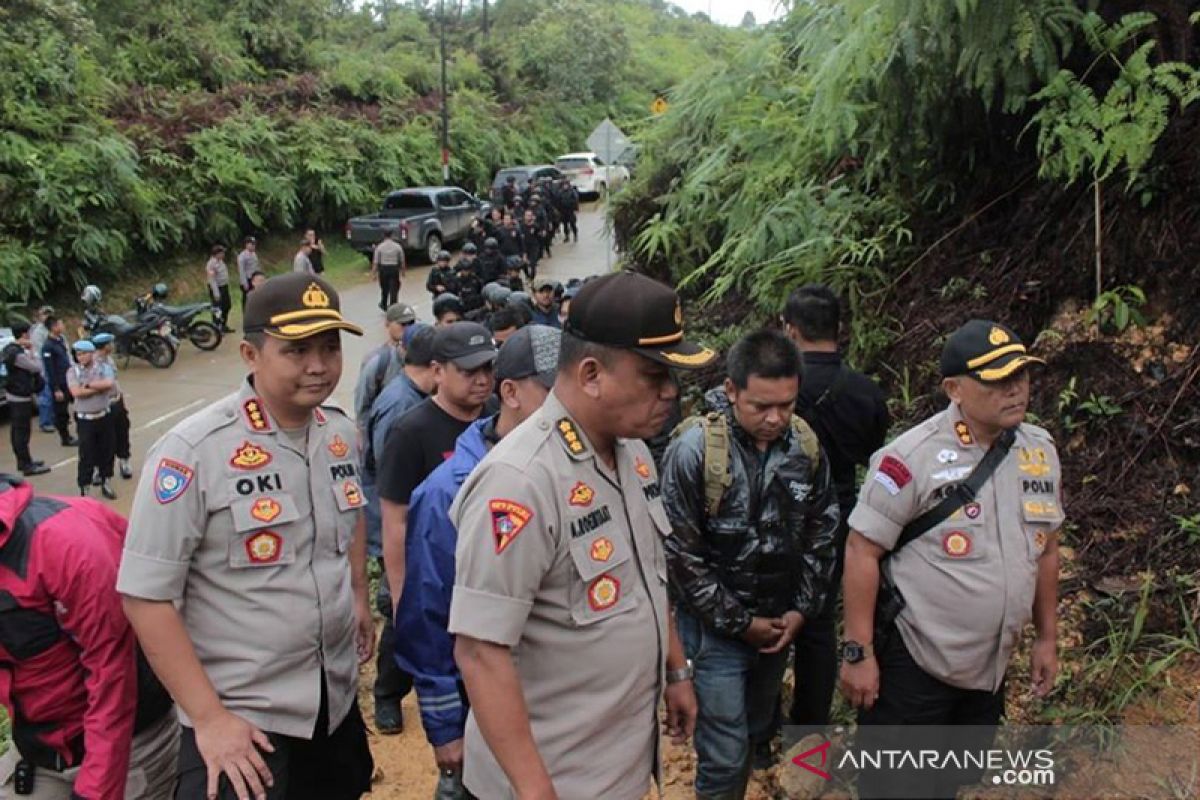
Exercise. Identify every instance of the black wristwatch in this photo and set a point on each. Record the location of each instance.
(853, 652)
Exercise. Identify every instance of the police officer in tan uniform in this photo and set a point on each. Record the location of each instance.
(971, 581)
(244, 570)
(565, 641)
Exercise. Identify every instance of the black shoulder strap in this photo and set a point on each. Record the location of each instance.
(961, 494)
(381, 368)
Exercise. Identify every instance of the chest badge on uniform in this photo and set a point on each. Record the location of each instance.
(508, 519)
(581, 495)
(963, 431)
(265, 509)
(319, 416)
(255, 415)
(604, 592)
(957, 544)
(642, 468)
(973, 510)
(1039, 540)
(947, 456)
(264, 548)
(602, 549)
(338, 447)
(250, 456)
(171, 480)
(570, 436)
(353, 494)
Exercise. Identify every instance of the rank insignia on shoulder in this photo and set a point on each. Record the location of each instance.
(171, 480)
(963, 431)
(581, 495)
(642, 468)
(250, 456)
(255, 416)
(603, 592)
(957, 544)
(338, 447)
(509, 518)
(602, 549)
(570, 436)
(264, 547)
(353, 494)
(265, 509)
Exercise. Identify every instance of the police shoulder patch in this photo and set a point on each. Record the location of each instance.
(250, 456)
(171, 480)
(509, 518)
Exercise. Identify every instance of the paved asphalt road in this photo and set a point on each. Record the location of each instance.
(158, 399)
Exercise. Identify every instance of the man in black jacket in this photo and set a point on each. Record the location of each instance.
(749, 564)
(56, 362)
(849, 414)
(21, 388)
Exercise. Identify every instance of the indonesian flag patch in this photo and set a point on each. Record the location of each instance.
(509, 518)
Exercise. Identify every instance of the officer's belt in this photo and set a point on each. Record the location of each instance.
(96, 415)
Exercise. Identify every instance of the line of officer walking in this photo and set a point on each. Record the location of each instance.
(583, 595)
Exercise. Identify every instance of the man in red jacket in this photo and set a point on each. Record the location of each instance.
(69, 669)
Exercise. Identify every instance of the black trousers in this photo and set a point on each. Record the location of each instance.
(389, 285)
(569, 224)
(95, 449)
(245, 293)
(908, 697)
(120, 423)
(224, 303)
(327, 766)
(816, 654)
(20, 422)
(392, 684)
(62, 417)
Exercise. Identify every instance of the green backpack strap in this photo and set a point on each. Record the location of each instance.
(808, 440)
(717, 475)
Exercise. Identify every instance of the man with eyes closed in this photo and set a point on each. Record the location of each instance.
(244, 570)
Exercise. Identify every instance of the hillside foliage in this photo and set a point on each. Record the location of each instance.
(130, 128)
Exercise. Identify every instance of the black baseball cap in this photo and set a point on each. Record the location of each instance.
(634, 312)
(295, 305)
(531, 352)
(418, 344)
(467, 345)
(985, 350)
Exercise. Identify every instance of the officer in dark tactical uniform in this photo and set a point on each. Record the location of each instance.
(754, 518)
(848, 412)
(491, 263)
(442, 278)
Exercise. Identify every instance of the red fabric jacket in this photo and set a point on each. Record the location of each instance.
(67, 665)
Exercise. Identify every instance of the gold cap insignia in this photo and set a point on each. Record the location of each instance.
(315, 297)
(998, 337)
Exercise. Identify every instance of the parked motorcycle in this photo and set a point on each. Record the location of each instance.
(204, 334)
(149, 338)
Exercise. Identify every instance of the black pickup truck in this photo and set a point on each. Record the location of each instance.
(424, 219)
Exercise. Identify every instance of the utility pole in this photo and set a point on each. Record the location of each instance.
(485, 19)
(445, 102)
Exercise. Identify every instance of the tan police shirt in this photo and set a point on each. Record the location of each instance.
(969, 582)
(232, 524)
(561, 559)
(389, 253)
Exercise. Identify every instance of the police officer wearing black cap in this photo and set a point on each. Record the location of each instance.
(560, 561)
(244, 569)
(959, 516)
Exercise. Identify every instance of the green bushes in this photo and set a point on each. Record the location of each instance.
(130, 129)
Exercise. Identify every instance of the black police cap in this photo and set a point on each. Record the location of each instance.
(985, 350)
(633, 312)
(295, 305)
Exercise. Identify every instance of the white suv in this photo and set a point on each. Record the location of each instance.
(590, 175)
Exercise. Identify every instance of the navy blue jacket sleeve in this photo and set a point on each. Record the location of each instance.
(424, 648)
